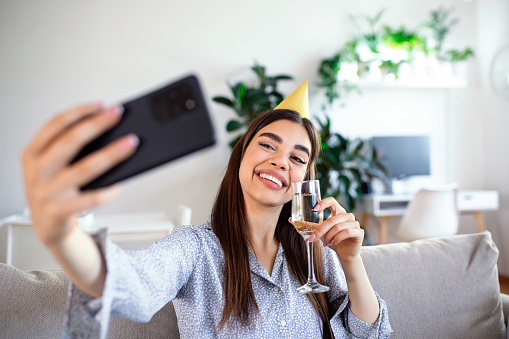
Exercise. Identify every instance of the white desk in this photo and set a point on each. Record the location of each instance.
(384, 206)
(128, 230)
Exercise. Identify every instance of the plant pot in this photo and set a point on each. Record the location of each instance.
(459, 70)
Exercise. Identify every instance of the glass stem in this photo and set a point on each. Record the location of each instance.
(311, 267)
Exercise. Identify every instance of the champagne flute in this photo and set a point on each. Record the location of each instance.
(306, 194)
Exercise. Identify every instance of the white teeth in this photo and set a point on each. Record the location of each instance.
(271, 178)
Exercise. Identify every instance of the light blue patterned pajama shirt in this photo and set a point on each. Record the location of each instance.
(186, 267)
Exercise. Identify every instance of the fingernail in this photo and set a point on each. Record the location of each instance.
(290, 220)
(312, 238)
(99, 104)
(115, 111)
(131, 141)
(317, 207)
(331, 243)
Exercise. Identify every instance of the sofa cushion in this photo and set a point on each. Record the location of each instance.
(33, 305)
(439, 288)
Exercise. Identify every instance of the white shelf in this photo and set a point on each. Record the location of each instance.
(417, 83)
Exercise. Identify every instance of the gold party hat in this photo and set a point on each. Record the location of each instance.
(297, 101)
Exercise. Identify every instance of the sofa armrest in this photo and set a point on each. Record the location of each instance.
(505, 307)
(425, 281)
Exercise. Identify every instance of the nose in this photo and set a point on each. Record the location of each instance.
(279, 163)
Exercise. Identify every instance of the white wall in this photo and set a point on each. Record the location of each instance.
(493, 18)
(54, 54)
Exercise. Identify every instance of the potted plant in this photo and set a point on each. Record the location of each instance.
(372, 37)
(440, 25)
(330, 68)
(368, 46)
(458, 60)
(389, 67)
(329, 76)
(451, 62)
(454, 55)
(404, 39)
(250, 100)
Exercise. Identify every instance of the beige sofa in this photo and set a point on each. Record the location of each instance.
(436, 288)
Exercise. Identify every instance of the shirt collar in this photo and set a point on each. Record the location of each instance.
(259, 270)
(254, 264)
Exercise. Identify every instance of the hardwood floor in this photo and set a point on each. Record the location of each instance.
(504, 284)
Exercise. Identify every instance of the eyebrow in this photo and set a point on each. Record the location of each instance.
(278, 139)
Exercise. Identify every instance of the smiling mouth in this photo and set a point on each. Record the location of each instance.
(271, 178)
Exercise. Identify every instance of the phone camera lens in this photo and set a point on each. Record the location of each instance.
(190, 104)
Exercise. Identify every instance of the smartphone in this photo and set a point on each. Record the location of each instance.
(170, 122)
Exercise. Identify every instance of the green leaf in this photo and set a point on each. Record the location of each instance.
(350, 201)
(356, 146)
(343, 140)
(282, 77)
(344, 182)
(376, 173)
(360, 194)
(260, 71)
(357, 175)
(224, 101)
(233, 125)
(279, 97)
(258, 98)
(234, 88)
(241, 91)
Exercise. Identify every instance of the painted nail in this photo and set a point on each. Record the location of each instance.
(115, 111)
(312, 238)
(131, 141)
(317, 207)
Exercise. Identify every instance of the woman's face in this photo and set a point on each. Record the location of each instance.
(276, 156)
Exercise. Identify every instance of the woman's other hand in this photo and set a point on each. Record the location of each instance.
(341, 232)
(52, 183)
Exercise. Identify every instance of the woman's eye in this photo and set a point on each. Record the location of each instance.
(266, 145)
(299, 160)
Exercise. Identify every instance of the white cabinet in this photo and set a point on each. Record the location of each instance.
(22, 249)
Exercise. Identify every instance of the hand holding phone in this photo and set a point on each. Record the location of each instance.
(170, 122)
(51, 184)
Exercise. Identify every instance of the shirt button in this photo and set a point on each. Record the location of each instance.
(283, 323)
(276, 289)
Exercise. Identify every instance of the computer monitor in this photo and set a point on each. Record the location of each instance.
(404, 156)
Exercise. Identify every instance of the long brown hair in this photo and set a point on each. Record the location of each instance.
(230, 226)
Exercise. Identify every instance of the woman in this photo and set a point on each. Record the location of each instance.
(234, 276)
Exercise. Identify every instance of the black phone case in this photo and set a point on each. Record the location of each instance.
(170, 122)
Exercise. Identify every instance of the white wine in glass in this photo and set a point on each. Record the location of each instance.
(306, 194)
